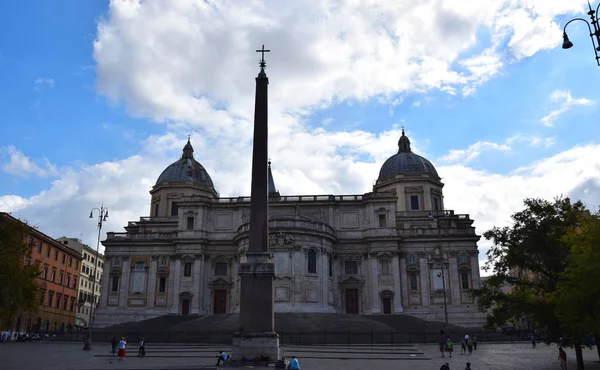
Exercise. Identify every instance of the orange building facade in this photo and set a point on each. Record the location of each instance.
(57, 283)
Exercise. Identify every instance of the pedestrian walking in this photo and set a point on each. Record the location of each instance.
(470, 345)
(142, 349)
(533, 340)
(442, 343)
(475, 343)
(113, 344)
(463, 346)
(562, 356)
(121, 353)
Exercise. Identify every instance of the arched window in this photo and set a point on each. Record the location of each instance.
(312, 262)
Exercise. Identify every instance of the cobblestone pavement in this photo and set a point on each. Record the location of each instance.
(492, 356)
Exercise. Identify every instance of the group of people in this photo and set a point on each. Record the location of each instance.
(118, 347)
(467, 345)
(280, 364)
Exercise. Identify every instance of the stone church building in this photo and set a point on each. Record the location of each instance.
(389, 251)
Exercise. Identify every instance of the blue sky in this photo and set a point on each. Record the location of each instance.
(96, 98)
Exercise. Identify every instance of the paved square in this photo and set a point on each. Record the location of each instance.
(489, 356)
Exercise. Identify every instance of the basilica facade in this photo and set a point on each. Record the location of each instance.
(394, 250)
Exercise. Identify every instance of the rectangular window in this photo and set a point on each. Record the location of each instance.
(436, 204)
(163, 261)
(48, 252)
(117, 262)
(58, 297)
(385, 267)
(56, 255)
(115, 284)
(77, 264)
(92, 260)
(174, 209)
(85, 256)
(414, 202)
(414, 283)
(31, 241)
(187, 269)
(45, 273)
(190, 223)
(463, 258)
(53, 275)
(50, 296)
(412, 259)
(156, 210)
(70, 261)
(330, 265)
(72, 305)
(74, 282)
(64, 258)
(351, 267)
(382, 221)
(464, 280)
(65, 302)
(162, 285)
(40, 246)
(42, 297)
(139, 266)
(60, 277)
(312, 262)
(221, 269)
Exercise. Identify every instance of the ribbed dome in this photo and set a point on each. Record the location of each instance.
(186, 169)
(406, 162)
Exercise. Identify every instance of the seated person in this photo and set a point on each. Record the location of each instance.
(222, 357)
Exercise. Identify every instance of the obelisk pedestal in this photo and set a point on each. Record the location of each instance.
(256, 335)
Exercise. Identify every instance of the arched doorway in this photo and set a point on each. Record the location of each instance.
(46, 325)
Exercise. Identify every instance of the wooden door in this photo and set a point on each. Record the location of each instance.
(185, 306)
(387, 305)
(220, 301)
(352, 301)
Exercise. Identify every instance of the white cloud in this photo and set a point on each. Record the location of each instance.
(532, 141)
(14, 162)
(472, 152)
(40, 82)
(565, 101)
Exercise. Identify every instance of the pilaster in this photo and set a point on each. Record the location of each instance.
(375, 300)
(176, 278)
(454, 281)
(194, 309)
(398, 298)
(124, 291)
(424, 281)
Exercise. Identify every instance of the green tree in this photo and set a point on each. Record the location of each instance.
(577, 296)
(527, 260)
(18, 283)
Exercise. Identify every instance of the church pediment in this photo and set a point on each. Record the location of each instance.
(223, 281)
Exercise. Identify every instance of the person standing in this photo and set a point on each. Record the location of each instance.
(474, 342)
(113, 344)
(142, 349)
(121, 353)
(463, 346)
(562, 356)
(470, 345)
(294, 365)
(533, 340)
(442, 343)
(449, 345)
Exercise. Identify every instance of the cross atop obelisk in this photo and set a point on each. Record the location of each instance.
(262, 63)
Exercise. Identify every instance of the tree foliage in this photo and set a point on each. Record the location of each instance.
(18, 283)
(527, 260)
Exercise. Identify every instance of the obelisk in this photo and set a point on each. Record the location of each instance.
(256, 335)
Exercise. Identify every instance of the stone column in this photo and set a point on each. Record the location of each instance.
(201, 282)
(425, 291)
(124, 291)
(404, 283)
(105, 284)
(454, 282)
(324, 278)
(176, 280)
(475, 278)
(376, 301)
(152, 282)
(194, 310)
(398, 299)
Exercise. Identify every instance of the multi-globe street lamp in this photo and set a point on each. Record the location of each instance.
(102, 215)
(594, 35)
(443, 263)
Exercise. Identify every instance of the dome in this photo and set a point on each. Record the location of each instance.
(186, 169)
(405, 162)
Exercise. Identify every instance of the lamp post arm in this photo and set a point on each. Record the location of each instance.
(592, 34)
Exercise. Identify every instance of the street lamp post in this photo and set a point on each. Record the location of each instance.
(594, 35)
(436, 217)
(102, 215)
